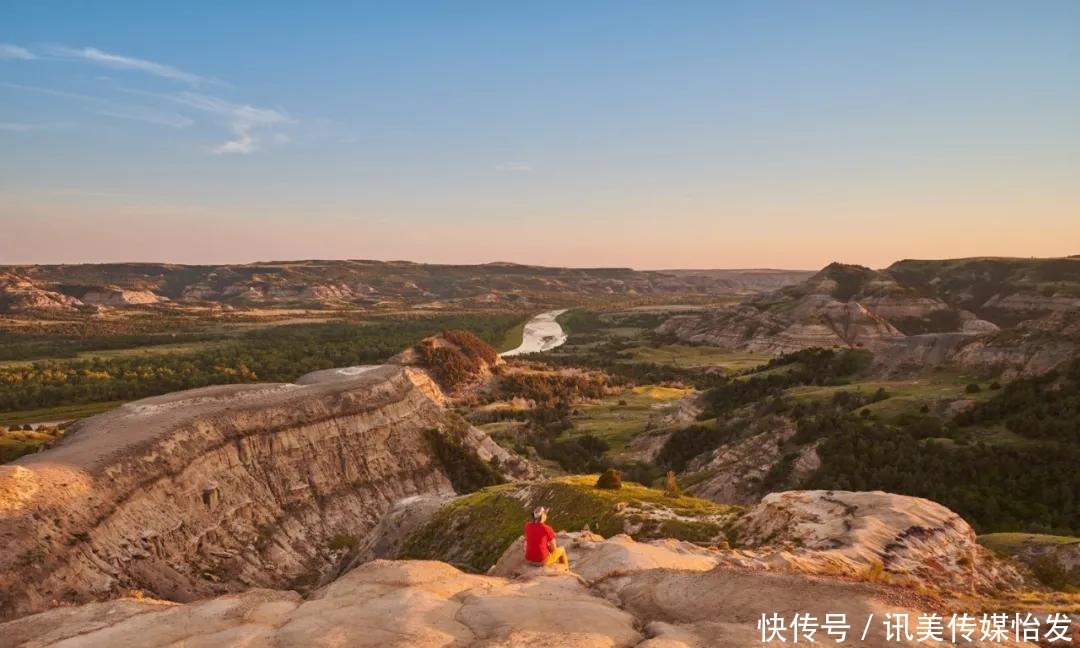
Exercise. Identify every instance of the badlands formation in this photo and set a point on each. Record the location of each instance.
(1015, 316)
(257, 515)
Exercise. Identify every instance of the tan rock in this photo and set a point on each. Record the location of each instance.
(219, 489)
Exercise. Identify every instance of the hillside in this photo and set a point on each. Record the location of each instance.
(476, 529)
(1013, 315)
(345, 283)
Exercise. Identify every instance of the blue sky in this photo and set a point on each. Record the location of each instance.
(645, 134)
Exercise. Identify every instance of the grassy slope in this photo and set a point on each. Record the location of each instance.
(618, 424)
(694, 357)
(59, 413)
(512, 339)
(1012, 543)
(904, 396)
(473, 531)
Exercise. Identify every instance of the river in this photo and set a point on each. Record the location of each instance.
(542, 333)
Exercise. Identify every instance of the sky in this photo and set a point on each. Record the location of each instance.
(641, 134)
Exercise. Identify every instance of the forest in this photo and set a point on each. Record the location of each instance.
(275, 354)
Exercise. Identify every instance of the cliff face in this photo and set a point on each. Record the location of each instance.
(221, 488)
(1012, 315)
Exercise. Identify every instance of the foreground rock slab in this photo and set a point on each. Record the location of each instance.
(651, 595)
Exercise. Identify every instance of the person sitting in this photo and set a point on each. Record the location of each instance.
(540, 545)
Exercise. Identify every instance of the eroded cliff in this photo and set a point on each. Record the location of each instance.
(223, 488)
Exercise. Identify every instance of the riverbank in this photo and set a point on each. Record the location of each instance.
(541, 333)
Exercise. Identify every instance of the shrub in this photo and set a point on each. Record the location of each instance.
(610, 479)
(342, 541)
(691, 441)
(463, 468)
(973, 388)
(995, 385)
(671, 485)
(458, 364)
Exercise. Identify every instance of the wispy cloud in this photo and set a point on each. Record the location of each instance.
(109, 108)
(121, 62)
(246, 122)
(148, 115)
(242, 118)
(14, 52)
(31, 127)
(514, 167)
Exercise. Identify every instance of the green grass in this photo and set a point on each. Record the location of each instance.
(473, 531)
(512, 339)
(1012, 543)
(618, 424)
(59, 413)
(696, 357)
(15, 445)
(904, 396)
(147, 350)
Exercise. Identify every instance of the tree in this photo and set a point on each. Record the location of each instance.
(611, 479)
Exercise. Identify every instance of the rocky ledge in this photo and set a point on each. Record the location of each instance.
(622, 593)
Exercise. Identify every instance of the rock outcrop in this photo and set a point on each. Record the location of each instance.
(873, 535)
(621, 594)
(737, 472)
(18, 294)
(224, 488)
(121, 297)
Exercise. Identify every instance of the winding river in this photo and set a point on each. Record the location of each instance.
(542, 333)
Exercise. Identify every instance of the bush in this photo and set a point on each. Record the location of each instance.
(610, 479)
(995, 385)
(973, 388)
(342, 541)
(463, 468)
(689, 442)
(671, 485)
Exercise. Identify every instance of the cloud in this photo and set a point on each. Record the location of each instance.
(514, 167)
(118, 61)
(14, 52)
(26, 127)
(242, 118)
(148, 115)
(109, 108)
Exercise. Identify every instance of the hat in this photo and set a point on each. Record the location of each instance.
(539, 512)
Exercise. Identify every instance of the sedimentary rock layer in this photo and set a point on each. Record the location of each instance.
(218, 489)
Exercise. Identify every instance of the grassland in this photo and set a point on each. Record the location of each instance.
(512, 339)
(904, 396)
(1013, 543)
(696, 357)
(14, 444)
(58, 413)
(618, 419)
